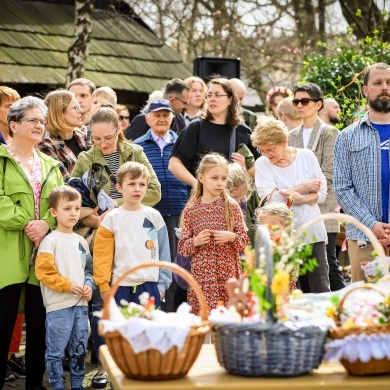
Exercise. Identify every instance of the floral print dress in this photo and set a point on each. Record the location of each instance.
(212, 264)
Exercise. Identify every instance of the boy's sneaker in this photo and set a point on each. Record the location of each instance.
(17, 366)
(9, 376)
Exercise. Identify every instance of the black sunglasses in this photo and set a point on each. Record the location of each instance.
(304, 101)
(123, 117)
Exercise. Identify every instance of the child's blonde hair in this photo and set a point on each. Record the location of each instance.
(238, 177)
(209, 161)
(134, 170)
(276, 209)
(106, 93)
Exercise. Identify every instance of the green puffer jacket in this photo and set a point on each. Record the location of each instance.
(17, 209)
(127, 152)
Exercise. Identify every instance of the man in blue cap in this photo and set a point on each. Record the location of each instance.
(157, 144)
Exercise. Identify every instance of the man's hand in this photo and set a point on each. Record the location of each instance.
(382, 231)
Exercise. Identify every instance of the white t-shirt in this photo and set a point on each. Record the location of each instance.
(306, 133)
(305, 166)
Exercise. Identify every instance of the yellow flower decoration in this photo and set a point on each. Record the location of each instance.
(348, 324)
(280, 283)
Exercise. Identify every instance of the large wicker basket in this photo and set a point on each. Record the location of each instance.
(373, 366)
(151, 364)
(358, 367)
(268, 349)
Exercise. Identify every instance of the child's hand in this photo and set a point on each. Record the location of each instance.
(87, 292)
(203, 237)
(222, 236)
(76, 289)
(162, 295)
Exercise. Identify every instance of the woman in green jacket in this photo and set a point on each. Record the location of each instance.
(26, 179)
(110, 151)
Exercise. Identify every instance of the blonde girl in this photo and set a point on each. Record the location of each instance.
(213, 232)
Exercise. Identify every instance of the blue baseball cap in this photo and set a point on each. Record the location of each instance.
(159, 104)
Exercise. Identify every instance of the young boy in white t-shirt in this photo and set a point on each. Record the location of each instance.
(64, 268)
(130, 235)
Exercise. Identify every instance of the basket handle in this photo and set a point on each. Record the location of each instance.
(161, 264)
(349, 219)
(366, 286)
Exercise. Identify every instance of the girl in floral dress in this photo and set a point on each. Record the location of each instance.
(213, 232)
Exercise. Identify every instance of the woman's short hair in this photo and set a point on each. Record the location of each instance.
(269, 131)
(121, 107)
(233, 117)
(106, 115)
(287, 108)
(57, 101)
(18, 109)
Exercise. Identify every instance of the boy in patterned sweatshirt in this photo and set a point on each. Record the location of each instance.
(130, 235)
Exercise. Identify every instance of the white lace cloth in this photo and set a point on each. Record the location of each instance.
(164, 331)
(363, 347)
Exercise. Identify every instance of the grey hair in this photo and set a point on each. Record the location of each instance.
(18, 109)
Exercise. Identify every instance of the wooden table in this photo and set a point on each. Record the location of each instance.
(207, 374)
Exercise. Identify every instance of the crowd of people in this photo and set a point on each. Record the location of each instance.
(86, 192)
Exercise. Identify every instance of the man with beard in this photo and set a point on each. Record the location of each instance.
(330, 113)
(361, 169)
(320, 138)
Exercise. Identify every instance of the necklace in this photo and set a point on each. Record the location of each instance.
(289, 161)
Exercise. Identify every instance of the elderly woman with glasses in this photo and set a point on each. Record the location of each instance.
(27, 177)
(220, 129)
(293, 176)
(64, 140)
(110, 151)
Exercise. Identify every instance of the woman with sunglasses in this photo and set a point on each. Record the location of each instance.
(220, 129)
(124, 118)
(27, 177)
(63, 140)
(110, 150)
(293, 176)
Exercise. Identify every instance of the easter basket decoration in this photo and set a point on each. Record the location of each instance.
(151, 364)
(269, 349)
(363, 349)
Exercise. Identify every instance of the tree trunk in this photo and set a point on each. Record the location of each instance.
(78, 50)
(304, 11)
(370, 20)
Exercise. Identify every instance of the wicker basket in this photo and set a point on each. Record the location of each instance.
(151, 364)
(374, 366)
(359, 367)
(268, 349)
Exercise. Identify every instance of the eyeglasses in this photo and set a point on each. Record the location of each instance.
(216, 95)
(185, 103)
(123, 117)
(77, 108)
(109, 138)
(34, 121)
(267, 151)
(304, 101)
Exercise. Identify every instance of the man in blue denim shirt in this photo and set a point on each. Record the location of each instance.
(361, 169)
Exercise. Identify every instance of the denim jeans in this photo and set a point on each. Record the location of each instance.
(63, 326)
